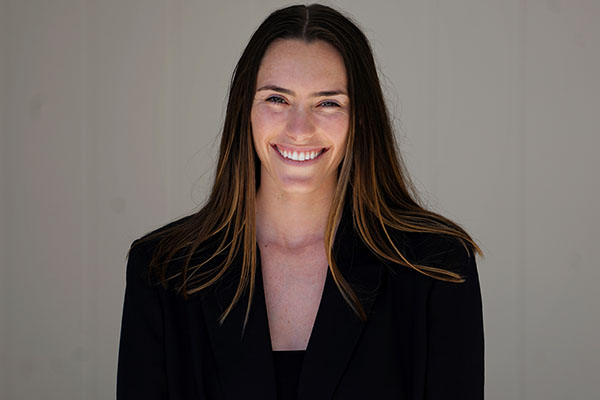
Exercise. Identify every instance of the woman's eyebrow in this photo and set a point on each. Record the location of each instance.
(291, 92)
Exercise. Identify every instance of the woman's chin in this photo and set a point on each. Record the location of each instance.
(301, 185)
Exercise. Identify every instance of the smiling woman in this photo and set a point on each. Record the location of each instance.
(312, 271)
(300, 117)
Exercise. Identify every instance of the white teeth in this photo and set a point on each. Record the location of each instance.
(299, 156)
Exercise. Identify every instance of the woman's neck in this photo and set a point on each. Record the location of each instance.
(291, 220)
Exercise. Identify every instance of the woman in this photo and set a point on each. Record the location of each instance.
(312, 272)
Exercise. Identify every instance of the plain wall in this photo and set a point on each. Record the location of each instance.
(110, 112)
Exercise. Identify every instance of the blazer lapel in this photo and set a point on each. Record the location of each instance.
(337, 328)
(245, 363)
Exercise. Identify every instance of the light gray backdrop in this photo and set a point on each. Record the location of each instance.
(109, 114)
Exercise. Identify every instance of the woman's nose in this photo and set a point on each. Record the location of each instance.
(300, 125)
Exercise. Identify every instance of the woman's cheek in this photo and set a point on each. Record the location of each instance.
(272, 115)
(265, 119)
(334, 121)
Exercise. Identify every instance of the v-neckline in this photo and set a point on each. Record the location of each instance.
(245, 362)
(261, 279)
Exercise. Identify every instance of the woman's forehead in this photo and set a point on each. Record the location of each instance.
(314, 66)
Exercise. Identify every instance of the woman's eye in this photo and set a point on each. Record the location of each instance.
(329, 104)
(280, 100)
(276, 100)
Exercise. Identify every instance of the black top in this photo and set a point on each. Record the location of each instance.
(287, 365)
(423, 338)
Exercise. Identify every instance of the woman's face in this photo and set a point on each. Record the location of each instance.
(300, 116)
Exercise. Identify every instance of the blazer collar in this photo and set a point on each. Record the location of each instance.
(245, 363)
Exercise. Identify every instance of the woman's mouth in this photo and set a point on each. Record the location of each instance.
(300, 156)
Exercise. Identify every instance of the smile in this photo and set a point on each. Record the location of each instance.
(296, 155)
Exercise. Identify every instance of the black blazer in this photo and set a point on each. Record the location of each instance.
(423, 338)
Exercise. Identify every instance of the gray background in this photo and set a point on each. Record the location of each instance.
(109, 112)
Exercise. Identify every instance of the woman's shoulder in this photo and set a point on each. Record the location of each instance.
(435, 246)
(143, 249)
(148, 241)
(436, 250)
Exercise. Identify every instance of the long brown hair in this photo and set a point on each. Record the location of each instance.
(372, 179)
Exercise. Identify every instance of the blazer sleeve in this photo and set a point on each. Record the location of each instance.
(455, 358)
(141, 362)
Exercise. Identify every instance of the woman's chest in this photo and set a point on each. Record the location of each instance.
(293, 286)
(388, 350)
